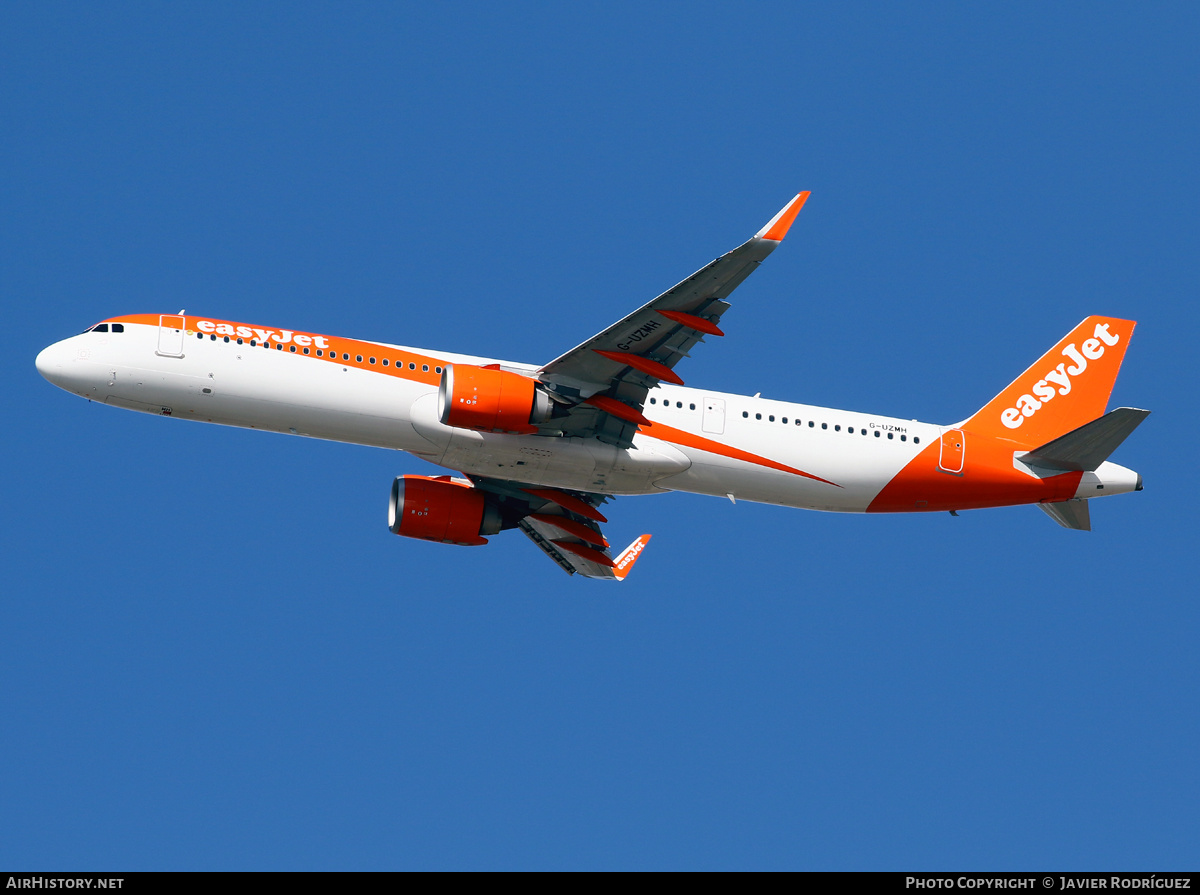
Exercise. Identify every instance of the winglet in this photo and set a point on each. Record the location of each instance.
(628, 557)
(777, 227)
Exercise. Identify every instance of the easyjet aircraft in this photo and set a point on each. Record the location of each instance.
(541, 448)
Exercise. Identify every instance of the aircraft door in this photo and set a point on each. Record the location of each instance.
(713, 421)
(170, 335)
(953, 452)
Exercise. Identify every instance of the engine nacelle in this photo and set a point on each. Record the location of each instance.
(491, 400)
(441, 509)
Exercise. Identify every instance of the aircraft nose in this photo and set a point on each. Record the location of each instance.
(45, 361)
(49, 363)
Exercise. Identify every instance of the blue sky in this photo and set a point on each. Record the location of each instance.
(215, 656)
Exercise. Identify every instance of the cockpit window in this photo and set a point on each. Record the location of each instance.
(102, 328)
(118, 327)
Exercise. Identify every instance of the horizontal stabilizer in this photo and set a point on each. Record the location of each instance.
(1085, 448)
(1071, 513)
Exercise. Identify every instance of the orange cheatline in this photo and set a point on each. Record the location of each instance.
(571, 527)
(678, 436)
(588, 553)
(618, 409)
(693, 322)
(568, 502)
(643, 365)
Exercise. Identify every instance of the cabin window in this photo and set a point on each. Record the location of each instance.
(278, 346)
(371, 360)
(758, 416)
(240, 342)
(358, 358)
(654, 400)
(837, 428)
(771, 418)
(385, 361)
(916, 440)
(745, 415)
(411, 365)
(424, 368)
(784, 420)
(889, 435)
(199, 335)
(824, 425)
(437, 369)
(876, 433)
(904, 438)
(306, 351)
(292, 348)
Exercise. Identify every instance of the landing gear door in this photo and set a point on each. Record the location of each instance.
(713, 421)
(954, 451)
(170, 336)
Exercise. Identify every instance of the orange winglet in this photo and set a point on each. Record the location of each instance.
(693, 322)
(779, 225)
(619, 409)
(643, 365)
(629, 556)
(571, 527)
(568, 502)
(588, 553)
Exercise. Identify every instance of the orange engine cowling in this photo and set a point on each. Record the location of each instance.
(441, 509)
(491, 400)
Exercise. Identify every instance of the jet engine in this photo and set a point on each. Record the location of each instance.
(441, 509)
(491, 400)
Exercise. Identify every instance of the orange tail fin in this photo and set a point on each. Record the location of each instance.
(1067, 387)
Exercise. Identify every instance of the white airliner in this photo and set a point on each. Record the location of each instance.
(541, 448)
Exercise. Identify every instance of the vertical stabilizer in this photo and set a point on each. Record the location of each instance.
(1067, 387)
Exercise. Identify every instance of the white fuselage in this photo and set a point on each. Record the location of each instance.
(276, 390)
(700, 441)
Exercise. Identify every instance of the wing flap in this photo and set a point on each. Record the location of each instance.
(565, 525)
(571, 553)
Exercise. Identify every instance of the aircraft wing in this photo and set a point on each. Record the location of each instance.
(566, 526)
(578, 557)
(604, 382)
